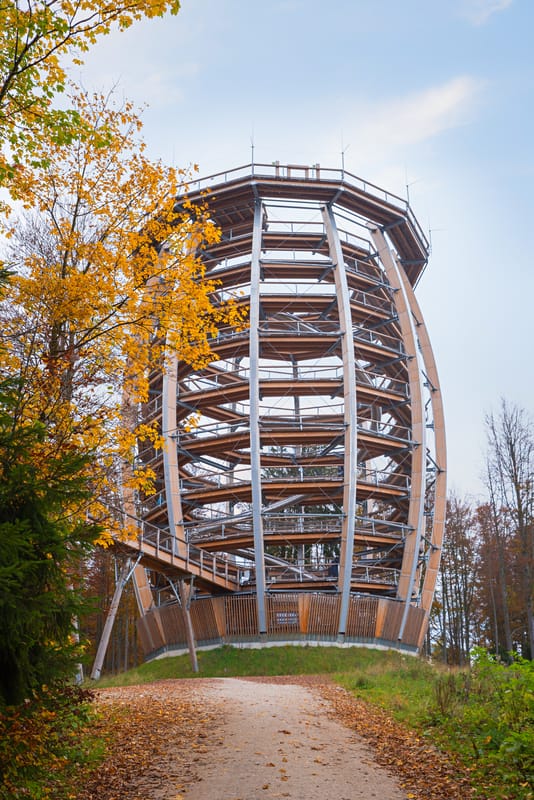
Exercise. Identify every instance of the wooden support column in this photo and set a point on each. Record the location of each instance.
(416, 513)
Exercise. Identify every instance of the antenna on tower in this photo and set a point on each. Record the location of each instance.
(430, 232)
(411, 183)
(343, 151)
(252, 150)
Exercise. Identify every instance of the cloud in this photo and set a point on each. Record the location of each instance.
(392, 126)
(479, 11)
(376, 136)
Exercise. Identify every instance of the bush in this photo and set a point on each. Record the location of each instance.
(488, 715)
(42, 743)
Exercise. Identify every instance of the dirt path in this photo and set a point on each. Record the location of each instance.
(278, 741)
(260, 739)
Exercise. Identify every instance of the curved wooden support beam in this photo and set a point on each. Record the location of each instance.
(440, 490)
(416, 514)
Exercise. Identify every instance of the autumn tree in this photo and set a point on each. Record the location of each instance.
(106, 277)
(510, 459)
(38, 37)
(456, 590)
(495, 584)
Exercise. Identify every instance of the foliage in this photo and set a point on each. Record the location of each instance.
(45, 742)
(487, 714)
(105, 277)
(456, 613)
(37, 37)
(43, 532)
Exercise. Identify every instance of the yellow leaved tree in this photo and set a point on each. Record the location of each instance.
(37, 36)
(106, 274)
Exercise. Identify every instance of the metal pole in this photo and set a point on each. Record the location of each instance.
(350, 469)
(185, 600)
(255, 445)
(108, 627)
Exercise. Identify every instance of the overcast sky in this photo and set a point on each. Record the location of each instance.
(436, 95)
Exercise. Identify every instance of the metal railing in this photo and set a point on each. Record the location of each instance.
(300, 172)
(168, 546)
(364, 378)
(293, 523)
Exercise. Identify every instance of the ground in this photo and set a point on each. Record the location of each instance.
(260, 739)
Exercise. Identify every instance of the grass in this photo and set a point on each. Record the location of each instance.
(230, 661)
(385, 677)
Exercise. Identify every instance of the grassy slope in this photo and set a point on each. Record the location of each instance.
(385, 677)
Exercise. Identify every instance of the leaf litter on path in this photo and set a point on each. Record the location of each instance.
(162, 737)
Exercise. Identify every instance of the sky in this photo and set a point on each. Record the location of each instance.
(427, 98)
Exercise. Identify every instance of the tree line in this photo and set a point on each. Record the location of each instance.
(485, 594)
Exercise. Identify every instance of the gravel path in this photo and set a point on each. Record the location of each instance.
(258, 739)
(278, 741)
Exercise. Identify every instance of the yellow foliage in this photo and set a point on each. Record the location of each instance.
(36, 36)
(108, 280)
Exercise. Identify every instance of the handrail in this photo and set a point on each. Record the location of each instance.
(293, 524)
(306, 571)
(389, 429)
(285, 171)
(299, 172)
(298, 476)
(212, 380)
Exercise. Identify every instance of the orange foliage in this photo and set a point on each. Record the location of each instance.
(107, 280)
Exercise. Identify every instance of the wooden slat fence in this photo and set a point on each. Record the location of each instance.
(290, 616)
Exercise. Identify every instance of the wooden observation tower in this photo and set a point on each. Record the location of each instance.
(308, 500)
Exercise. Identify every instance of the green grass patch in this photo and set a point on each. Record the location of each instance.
(230, 662)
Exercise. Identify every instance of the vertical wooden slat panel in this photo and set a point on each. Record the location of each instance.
(381, 617)
(361, 621)
(289, 615)
(174, 625)
(204, 621)
(414, 624)
(241, 617)
(304, 611)
(150, 629)
(392, 622)
(324, 615)
(218, 606)
(283, 615)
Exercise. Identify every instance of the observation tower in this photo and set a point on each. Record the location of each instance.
(308, 500)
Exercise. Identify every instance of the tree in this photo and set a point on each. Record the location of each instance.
(44, 530)
(510, 461)
(106, 277)
(37, 36)
(494, 589)
(456, 592)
